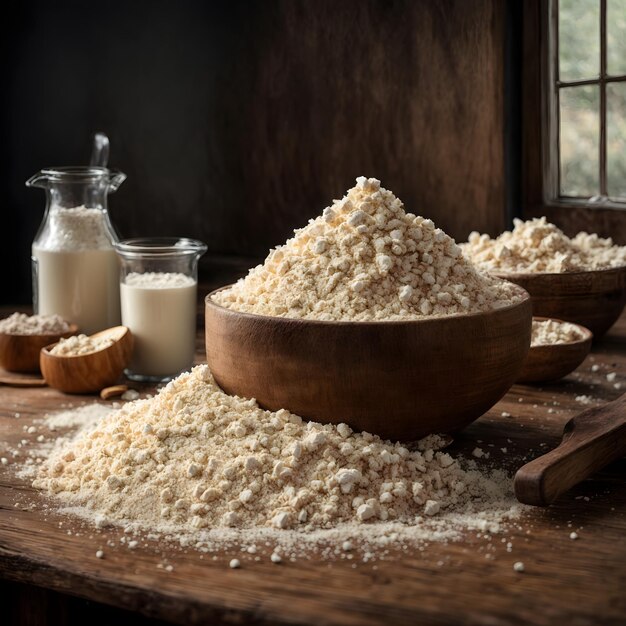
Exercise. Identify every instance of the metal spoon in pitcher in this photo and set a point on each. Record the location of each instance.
(100, 150)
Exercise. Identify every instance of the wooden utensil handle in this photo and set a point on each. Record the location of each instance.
(592, 440)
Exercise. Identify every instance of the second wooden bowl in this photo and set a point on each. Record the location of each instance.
(593, 299)
(547, 363)
(86, 373)
(20, 353)
(400, 380)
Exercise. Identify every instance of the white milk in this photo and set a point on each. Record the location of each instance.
(82, 286)
(160, 310)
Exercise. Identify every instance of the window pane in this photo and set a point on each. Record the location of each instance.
(616, 37)
(579, 39)
(579, 134)
(616, 139)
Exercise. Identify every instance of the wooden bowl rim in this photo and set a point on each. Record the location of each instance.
(346, 323)
(530, 275)
(46, 349)
(587, 335)
(72, 330)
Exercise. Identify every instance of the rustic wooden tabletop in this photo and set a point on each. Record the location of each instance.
(472, 581)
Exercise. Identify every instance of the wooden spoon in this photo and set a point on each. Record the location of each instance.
(86, 373)
(591, 440)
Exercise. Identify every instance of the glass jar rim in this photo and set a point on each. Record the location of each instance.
(76, 173)
(160, 247)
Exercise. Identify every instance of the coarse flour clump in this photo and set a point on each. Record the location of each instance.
(539, 246)
(194, 457)
(365, 258)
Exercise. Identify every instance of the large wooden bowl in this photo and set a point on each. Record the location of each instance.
(548, 363)
(399, 380)
(87, 373)
(20, 353)
(593, 299)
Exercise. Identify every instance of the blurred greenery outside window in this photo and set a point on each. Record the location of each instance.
(589, 99)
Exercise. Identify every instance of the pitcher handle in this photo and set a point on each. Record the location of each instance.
(116, 178)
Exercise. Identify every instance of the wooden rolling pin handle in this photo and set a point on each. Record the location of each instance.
(592, 439)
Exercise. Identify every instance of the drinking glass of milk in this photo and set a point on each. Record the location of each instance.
(75, 268)
(158, 289)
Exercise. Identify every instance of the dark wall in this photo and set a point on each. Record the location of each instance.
(237, 121)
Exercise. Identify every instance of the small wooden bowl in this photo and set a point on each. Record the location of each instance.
(91, 372)
(400, 380)
(20, 353)
(593, 299)
(547, 363)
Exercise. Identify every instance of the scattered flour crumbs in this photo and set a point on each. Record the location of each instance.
(364, 259)
(207, 469)
(539, 246)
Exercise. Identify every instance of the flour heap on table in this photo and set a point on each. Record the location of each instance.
(194, 457)
(365, 258)
(539, 246)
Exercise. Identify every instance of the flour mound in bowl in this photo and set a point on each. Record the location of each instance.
(194, 457)
(539, 246)
(79, 345)
(550, 332)
(364, 259)
(22, 324)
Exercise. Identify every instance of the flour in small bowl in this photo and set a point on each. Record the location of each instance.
(551, 332)
(366, 259)
(537, 246)
(22, 324)
(80, 345)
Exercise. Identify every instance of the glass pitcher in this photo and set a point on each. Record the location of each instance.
(75, 267)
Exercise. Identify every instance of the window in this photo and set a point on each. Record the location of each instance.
(586, 103)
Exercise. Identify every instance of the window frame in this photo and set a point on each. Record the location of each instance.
(541, 87)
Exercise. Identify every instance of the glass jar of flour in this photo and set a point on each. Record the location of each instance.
(75, 267)
(158, 285)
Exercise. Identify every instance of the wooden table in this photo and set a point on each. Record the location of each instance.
(566, 581)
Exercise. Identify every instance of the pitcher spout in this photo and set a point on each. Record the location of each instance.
(40, 179)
